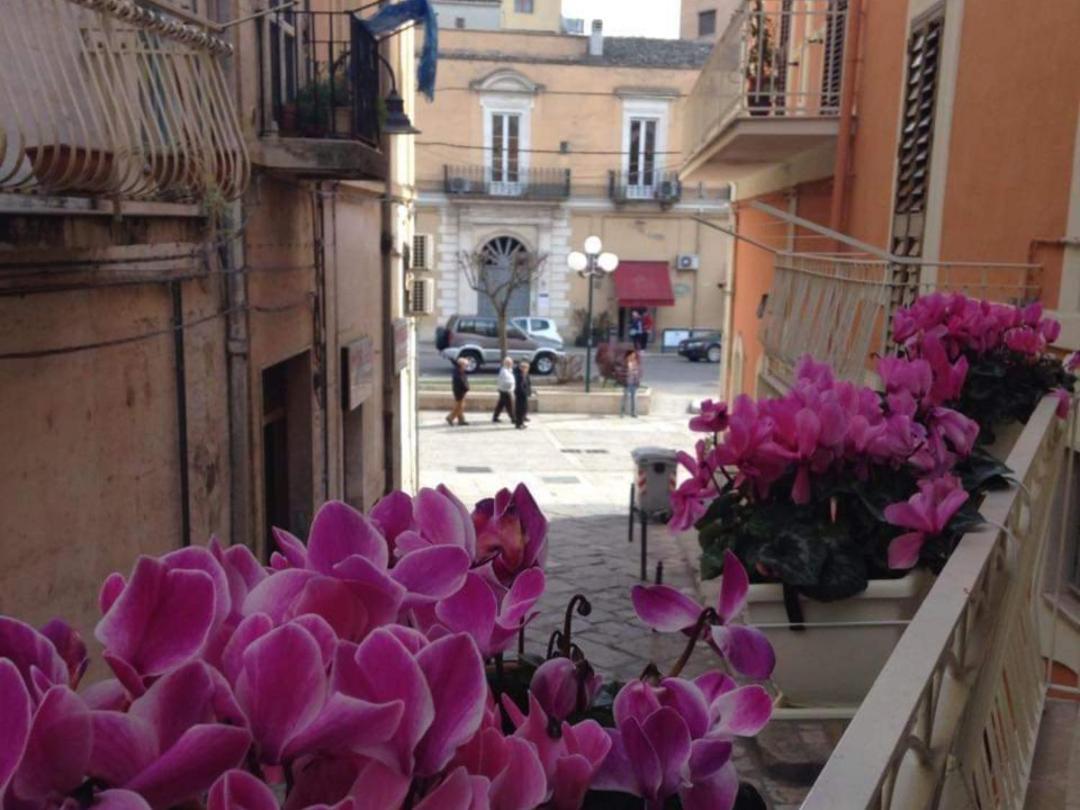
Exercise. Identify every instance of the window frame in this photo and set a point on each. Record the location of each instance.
(708, 14)
(507, 105)
(524, 6)
(645, 110)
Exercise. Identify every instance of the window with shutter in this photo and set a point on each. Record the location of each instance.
(916, 138)
(832, 69)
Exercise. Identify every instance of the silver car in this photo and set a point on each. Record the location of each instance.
(475, 339)
(543, 330)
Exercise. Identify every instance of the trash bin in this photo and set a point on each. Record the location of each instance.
(656, 468)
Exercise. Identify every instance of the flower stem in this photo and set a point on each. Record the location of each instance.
(584, 608)
(706, 616)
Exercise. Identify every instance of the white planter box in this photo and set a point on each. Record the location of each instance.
(836, 663)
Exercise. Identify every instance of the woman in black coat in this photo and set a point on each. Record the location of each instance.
(460, 387)
(522, 390)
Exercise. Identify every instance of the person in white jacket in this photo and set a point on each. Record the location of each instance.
(506, 391)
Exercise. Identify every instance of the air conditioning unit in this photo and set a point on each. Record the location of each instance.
(422, 251)
(460, 185)
(422, 296)
(669, 190)
(687, 261)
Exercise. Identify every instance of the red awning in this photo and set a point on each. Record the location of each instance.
(643, 284)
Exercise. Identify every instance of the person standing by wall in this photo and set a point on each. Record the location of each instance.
(460, 387)
(647, 326)
(637, 328)
(522, 392)
(630, 387)
(506, 387)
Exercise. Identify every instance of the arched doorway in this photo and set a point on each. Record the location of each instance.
(500, 255)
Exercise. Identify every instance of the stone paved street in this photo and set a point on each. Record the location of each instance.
(579, 469)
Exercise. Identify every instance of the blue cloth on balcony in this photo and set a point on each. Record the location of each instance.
(406, 11)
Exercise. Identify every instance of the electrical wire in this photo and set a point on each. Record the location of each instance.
(104, 344)
(449, 145)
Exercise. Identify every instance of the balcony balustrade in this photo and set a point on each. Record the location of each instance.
(770, 89)
(644, 186)
(524, 183)
(106, 97)
(319, 95)
(838, 307)
(952, 720)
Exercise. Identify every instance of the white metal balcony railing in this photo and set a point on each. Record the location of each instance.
(952, 720)
(111, 98)
(838, 307)
(775, 59)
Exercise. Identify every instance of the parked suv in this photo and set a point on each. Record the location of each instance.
(543, 330)
(475, 339)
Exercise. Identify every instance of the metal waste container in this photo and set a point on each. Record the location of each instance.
(656, 468)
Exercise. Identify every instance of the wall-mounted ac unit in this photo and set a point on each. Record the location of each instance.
(460, 185)
(669, 190)
(423, 245)
(687, 261)
(422, 296)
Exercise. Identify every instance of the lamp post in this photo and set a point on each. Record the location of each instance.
(590, 265)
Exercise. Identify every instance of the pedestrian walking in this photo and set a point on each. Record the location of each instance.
(505, 384)
(522, 391)
(631, 383)
(460, 386)
(637, 328)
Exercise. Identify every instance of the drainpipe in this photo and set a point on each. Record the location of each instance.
(842, 165)
(181, 411)
(320, 378)
(238, 365)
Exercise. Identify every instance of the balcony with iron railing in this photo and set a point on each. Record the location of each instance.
(513, 182)
(770, 89)
(649, 186)
(116, 99)
(319, 95)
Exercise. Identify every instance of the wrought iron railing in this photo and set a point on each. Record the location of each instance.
(777, 59)
(653, 185)
(319, 76)
(838, 307)
(531, 183)
(107, 97)
(952, 720)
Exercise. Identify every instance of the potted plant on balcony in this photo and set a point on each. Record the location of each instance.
(1002, 347)
(839, 500)
(324, 107)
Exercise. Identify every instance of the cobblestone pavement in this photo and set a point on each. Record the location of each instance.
(579, 469)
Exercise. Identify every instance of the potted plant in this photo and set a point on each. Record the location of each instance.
(366, 667)
(830, 496)
(1004, 351)
(324, 107)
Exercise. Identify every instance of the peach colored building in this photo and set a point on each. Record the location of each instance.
(202, 330)
(704, 20)
(545, 138)
(879, 149)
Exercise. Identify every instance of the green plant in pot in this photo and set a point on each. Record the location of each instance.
(324, 107)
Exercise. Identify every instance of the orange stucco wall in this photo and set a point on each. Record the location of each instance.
(1013, 131)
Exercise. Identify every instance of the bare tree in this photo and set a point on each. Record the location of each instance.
(511, 273)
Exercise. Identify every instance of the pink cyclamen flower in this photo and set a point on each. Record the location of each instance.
(563, 687)
(1025, 340)
(926, 514)
(434, 517)
(675, 739)
(713, 418)
(570, 755)
(667, 610)
(1064, 399)
(511, 531)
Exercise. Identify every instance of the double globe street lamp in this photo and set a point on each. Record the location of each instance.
(590, 265)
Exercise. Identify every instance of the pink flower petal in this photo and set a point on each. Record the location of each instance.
(119, 800)
(742, 712)
(162, 618)
(522, 784)
(253, 627)
(378, 787)
(432, 573)
(454, 793)
(111, 589)
(275, 595)
(71, 648)
(15, 708)
(746, 649)
(290, 547)
(455, 675)
(554, 685)
(178, 700)
(346, 724)
(57, 748)
(382, 669)
(335, 602)
(670, 739)
(528, 587)
(282, 687)
(190, 767)
(687, 700)
(28, 649)
(648, 770)
(707, 756)
(372, 585)
(239, 790)
(570, 782)
(734, 588)
(904, 550)
(664, 608)
(717, 793)
(471, 610)
(637, 700)
(339, 532)
(713, 684)
(616, 772)
(393, 514)
(439, 520)
(123, 745)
